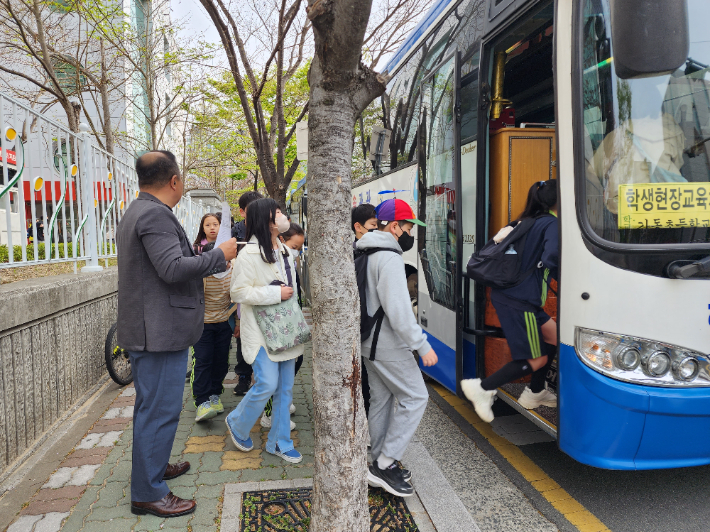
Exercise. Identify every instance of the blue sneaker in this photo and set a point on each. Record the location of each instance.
(292, 456)
(243, 445)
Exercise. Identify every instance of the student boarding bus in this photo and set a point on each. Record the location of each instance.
(613, 100)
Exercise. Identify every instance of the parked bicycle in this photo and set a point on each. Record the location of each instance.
(118, 363)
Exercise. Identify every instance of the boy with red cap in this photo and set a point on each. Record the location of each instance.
(392, 369)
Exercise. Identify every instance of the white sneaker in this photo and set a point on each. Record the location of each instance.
(266, 422)
(482, 399)
(292, 408)
(531, 400)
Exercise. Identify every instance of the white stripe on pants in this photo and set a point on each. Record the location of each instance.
(391, 430)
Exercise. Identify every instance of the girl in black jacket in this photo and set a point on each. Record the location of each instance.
(531, 333)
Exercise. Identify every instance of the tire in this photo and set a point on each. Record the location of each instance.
(117, 361)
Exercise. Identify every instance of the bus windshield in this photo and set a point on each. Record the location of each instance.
(646, 141)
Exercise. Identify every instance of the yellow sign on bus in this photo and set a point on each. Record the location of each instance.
(664, 205)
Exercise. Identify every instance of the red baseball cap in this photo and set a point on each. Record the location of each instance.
(393, 210)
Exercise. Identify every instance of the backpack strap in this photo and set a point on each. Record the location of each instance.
(379, 318)
(380, 314)
(370, 251)
(287, 267)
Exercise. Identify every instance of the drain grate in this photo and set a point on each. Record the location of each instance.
(289, 510)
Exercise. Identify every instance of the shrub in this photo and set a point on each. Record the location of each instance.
(17, 252)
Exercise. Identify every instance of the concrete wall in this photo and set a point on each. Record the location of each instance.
(52, 335)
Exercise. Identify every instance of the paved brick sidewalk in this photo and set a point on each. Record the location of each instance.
(90, 491)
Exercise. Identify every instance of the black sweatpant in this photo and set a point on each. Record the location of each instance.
(211, 361)
(242, 368)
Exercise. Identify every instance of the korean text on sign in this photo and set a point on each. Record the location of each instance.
(664, 205)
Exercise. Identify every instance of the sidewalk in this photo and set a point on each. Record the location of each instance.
(458, 487)
(90, 491)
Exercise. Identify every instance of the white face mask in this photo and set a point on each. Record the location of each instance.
(294, 252)
(282, 223)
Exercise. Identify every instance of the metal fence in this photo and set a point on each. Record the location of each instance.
(62, 195)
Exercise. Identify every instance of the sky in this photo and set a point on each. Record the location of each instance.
(197, 22)
(196, 19)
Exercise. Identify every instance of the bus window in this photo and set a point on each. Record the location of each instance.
(436, 183)
(469, 99)
(646, 151)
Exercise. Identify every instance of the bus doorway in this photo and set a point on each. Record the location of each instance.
(521, 150)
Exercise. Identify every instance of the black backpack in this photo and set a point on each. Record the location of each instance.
(500, 265)
(367, 322)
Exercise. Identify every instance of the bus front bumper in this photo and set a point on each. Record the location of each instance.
(618, 425)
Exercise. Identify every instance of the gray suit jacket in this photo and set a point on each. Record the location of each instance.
(161, 304)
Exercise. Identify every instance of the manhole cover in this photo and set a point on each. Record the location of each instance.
(289, 510)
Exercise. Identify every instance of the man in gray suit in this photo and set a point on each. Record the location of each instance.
(161, 311)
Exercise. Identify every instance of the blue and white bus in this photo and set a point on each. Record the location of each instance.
(612, 98)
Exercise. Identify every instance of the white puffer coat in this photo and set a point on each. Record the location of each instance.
(251, 285)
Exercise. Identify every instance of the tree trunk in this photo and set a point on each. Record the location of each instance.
(72, 115)
(340, 89)
(108, 126)
(340, 480)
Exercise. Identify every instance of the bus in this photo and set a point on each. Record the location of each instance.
(612, 99)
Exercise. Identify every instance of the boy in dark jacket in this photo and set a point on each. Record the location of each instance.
(363, 219)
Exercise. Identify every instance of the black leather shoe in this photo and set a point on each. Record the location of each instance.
(175, 470)
(168, 506)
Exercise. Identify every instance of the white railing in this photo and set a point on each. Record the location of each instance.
(189, 213)
(61, 196)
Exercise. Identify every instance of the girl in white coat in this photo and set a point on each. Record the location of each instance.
(264, 260)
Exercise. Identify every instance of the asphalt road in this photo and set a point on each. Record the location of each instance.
(668, 500)
(671, 500)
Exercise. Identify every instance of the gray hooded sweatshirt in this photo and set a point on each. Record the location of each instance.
(387, 287)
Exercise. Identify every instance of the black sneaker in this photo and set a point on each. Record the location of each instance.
(389, 479)
(406, 473)
(242, 386)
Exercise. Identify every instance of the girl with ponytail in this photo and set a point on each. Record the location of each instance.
(531, 333)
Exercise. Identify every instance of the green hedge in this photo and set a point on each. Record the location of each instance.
(17, 251)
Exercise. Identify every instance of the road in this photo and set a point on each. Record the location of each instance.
(623, 501)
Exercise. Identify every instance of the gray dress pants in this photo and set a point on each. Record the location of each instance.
(391, 430)
(159, 379)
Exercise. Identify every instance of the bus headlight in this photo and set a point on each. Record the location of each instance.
(687, 369)
(628, 358)
(642, 361)
(658, 364)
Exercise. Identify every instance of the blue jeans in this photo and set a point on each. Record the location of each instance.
(272, 378)
(159, 379)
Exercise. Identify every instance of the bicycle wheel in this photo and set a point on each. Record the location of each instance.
(117, 361)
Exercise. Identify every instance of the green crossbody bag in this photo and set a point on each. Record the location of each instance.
(283, 324)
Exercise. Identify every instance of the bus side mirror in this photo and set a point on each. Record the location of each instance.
(649, 38)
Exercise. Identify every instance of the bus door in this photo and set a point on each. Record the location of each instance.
(467, 206)
(439, 279)
(520, 148)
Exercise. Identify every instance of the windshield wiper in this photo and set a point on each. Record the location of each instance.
(684, 269)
